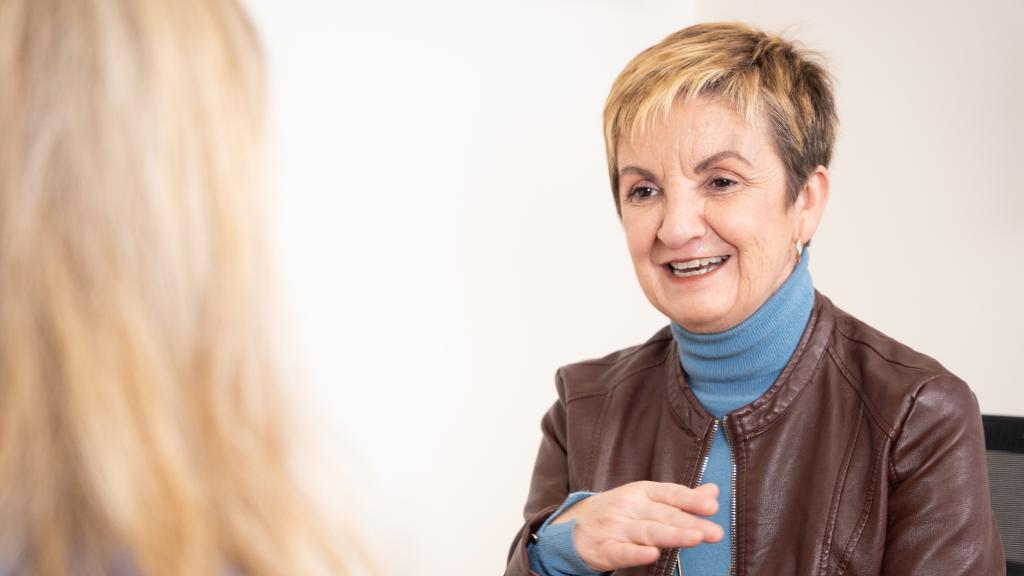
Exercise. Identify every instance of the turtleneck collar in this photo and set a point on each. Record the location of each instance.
(730, 369)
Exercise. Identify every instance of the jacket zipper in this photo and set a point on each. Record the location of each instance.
(706, 450)
(732, 499)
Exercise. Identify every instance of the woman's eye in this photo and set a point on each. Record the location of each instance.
(722, 183)
(642, 192)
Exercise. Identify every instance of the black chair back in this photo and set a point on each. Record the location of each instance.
(1004, 449)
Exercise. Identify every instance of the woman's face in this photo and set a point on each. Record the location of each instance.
(704, 209)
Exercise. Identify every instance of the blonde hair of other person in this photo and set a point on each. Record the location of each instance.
(140, 416)
(757, 74)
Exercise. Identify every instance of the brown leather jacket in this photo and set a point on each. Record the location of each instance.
(864, 457)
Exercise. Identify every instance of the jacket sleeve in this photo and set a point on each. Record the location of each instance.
(549, 486)
(940, 515)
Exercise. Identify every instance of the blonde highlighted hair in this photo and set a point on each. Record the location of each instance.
(141, 420)
(761, 76)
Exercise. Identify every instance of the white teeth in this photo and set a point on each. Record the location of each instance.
(698, 272)
(696, 266)
(695, 263)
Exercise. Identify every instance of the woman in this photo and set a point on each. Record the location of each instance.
(764, 431)
(140, 422)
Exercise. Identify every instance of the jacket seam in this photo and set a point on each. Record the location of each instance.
(700, 442)
(903, 426)
(587, 395)
(613, 385)
(837, 495)
(856, 385)
(741, 509)
(595, 438)
(625, 355)
(851, 545)
(782, 381)
(789, 405)
(882, 355)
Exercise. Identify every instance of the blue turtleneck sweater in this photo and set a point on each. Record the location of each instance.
(726, 370)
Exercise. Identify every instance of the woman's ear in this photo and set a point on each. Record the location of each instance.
(811, 203)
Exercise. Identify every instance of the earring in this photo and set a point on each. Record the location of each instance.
(799, 250)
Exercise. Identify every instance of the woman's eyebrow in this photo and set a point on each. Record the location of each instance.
(706, 163)
(646, 174)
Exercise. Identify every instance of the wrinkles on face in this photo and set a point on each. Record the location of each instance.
(705, 183)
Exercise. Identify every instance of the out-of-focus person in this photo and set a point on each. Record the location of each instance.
(142, 422)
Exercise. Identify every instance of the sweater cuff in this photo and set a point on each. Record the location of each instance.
(553, 551)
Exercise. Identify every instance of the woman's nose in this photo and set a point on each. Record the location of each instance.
(682, 220)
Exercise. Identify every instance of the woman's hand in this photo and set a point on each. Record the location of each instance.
(626, 526)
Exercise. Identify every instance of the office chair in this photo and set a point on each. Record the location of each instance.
(1004, 450)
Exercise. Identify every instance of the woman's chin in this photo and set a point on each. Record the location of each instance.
(702, 323)
(699, 304)
(704, 315)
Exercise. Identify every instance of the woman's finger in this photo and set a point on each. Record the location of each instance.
(701, 500)
(626, 554)
(672, 516)
(649, 533)
(666, 514)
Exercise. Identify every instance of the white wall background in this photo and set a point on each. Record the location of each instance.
(924, 234)
(446, 235)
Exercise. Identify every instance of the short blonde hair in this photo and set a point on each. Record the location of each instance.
(140, 392)
(760, 75)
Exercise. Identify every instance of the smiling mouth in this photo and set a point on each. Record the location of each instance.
(695, 267)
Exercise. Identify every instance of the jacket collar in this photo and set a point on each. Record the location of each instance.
(760, 413)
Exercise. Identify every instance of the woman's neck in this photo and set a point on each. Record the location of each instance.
(730, 369)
